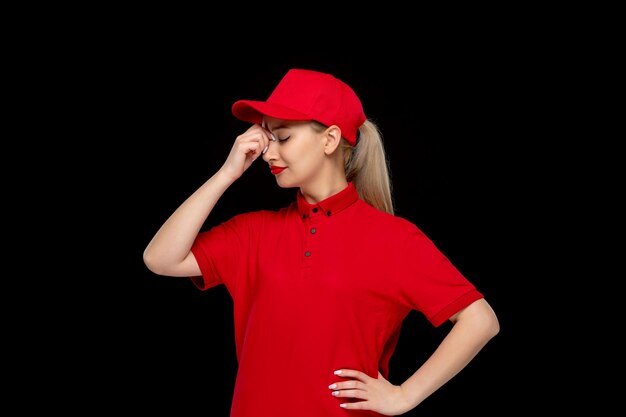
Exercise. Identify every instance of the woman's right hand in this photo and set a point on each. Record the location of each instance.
(247, 148)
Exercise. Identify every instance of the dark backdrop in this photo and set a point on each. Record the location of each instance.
(156, 123)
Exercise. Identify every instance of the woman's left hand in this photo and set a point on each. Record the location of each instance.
(375, 394)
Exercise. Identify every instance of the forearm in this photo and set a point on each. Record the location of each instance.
(172, 243)
(475, 326)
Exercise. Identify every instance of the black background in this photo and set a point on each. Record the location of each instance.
(153, 116)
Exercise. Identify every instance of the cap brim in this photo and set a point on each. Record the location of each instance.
(254, 111)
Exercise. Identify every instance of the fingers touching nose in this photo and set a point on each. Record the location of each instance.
(271, 138)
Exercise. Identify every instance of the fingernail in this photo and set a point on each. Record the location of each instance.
(273, 137)
(332, 386)
(265, 150)
(339, 372)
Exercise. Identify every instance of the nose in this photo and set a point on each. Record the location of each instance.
(270, 154)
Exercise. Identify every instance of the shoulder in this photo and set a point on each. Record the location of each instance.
(388, 221)
(259, 217)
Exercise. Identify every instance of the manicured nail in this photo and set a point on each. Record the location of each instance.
(265, 150)
(339, 372)
(342, 405)
(332, 386)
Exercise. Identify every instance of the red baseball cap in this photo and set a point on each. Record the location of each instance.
(308, 95)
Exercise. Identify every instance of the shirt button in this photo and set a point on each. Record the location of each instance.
(313, 230)
(315, 210)
(307, 253)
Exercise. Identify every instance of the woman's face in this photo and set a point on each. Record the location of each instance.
(296, 156)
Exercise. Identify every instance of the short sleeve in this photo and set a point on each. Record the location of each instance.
(219, 252)
(429, 282)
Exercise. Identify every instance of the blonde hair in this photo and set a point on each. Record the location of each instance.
(366, 166)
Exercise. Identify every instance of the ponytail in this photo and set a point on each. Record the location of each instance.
(367, 167)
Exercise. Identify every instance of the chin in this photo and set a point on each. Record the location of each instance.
(285, 184)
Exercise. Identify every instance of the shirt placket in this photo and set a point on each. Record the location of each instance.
(310, 253)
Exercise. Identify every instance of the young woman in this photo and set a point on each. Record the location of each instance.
(320, 288)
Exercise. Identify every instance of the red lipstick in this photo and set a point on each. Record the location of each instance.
(276, 169)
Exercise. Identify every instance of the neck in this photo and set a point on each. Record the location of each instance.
(314, 193)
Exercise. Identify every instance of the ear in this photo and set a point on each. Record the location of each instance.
(332, 139)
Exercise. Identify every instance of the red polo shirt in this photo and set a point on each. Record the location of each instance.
(320, 287)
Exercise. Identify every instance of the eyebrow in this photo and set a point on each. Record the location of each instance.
(283, 126)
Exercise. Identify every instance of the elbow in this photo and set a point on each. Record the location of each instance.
(481, 318)
(163, 264)
(492, 327)
(490, 322)
(151, 262)
(485, 326)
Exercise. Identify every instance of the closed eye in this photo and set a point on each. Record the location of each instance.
(283, 139)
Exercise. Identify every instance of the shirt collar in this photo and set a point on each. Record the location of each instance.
(331, 205)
